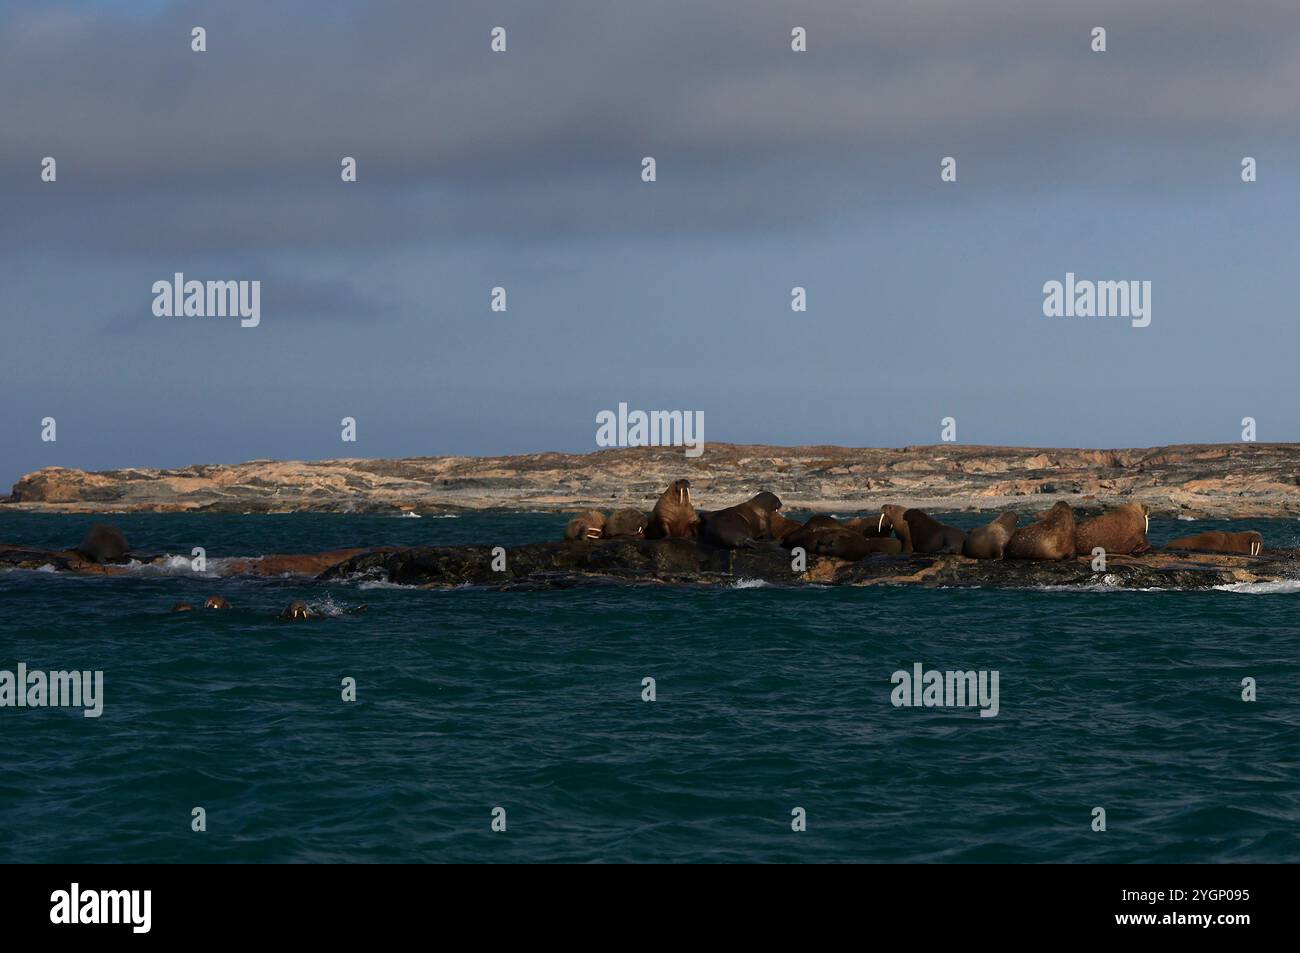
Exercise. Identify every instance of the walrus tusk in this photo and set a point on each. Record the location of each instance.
(880, 526)
(1148, 526)
(1255, 547)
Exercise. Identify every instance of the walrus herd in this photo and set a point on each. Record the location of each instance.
(1055, 535)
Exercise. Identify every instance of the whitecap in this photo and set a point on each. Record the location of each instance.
(1262, 588)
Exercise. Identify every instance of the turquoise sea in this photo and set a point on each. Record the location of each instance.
(767, 699)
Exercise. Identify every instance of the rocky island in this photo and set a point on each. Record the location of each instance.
(1228, 481)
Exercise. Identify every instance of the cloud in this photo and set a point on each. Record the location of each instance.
(162, 149)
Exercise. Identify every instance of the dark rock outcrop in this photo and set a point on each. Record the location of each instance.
(104, 544)
(680, 561)
(556, 565)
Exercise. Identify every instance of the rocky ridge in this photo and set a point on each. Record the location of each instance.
(1195, 480)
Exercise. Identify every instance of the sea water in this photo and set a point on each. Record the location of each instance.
(766, 699)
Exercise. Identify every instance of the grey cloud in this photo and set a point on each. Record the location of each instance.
(162, 149)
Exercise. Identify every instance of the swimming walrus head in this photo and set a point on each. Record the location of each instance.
(216, 602)
(296, 611)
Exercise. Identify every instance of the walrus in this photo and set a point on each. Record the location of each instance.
(892, 516)
(1120, 531)
(1250, 543)
(296, 611)
(840, 542)
(216, 602)
(625, 524)
(931, 536)
(182, 607)
(673, 516)
(103, 543)
(1052, 537)
(779, 527)
(586, 525)
(870, 526)
(744, 524)
(988, 542)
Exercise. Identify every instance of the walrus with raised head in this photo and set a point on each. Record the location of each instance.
(891, 518)
(673, 516)
(625, 524)
(1249, 543)
(589, 524)
(744, 524)
(1120, 531)
(1051, 537)
(103, 544)
(990, 541)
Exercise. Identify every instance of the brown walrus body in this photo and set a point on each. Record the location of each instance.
(1249, 543)
(824, 535)
(872, 527)
(743, 524)
(780, 527)
(989, 542)
(103, 543)
(182, 607)
(587, 525)
(823, 540)
(930, 536)
(1052, 537)
(1120, 531)
(842, 543)
(625, 524)
(216, 602)
(673, 516)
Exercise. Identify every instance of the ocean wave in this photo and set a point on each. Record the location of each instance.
(1262, 588)
(171, 565)
(326, 606)
(749, 584)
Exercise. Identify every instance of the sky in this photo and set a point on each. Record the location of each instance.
(522, 169)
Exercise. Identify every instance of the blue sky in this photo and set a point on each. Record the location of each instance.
(522, 170)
